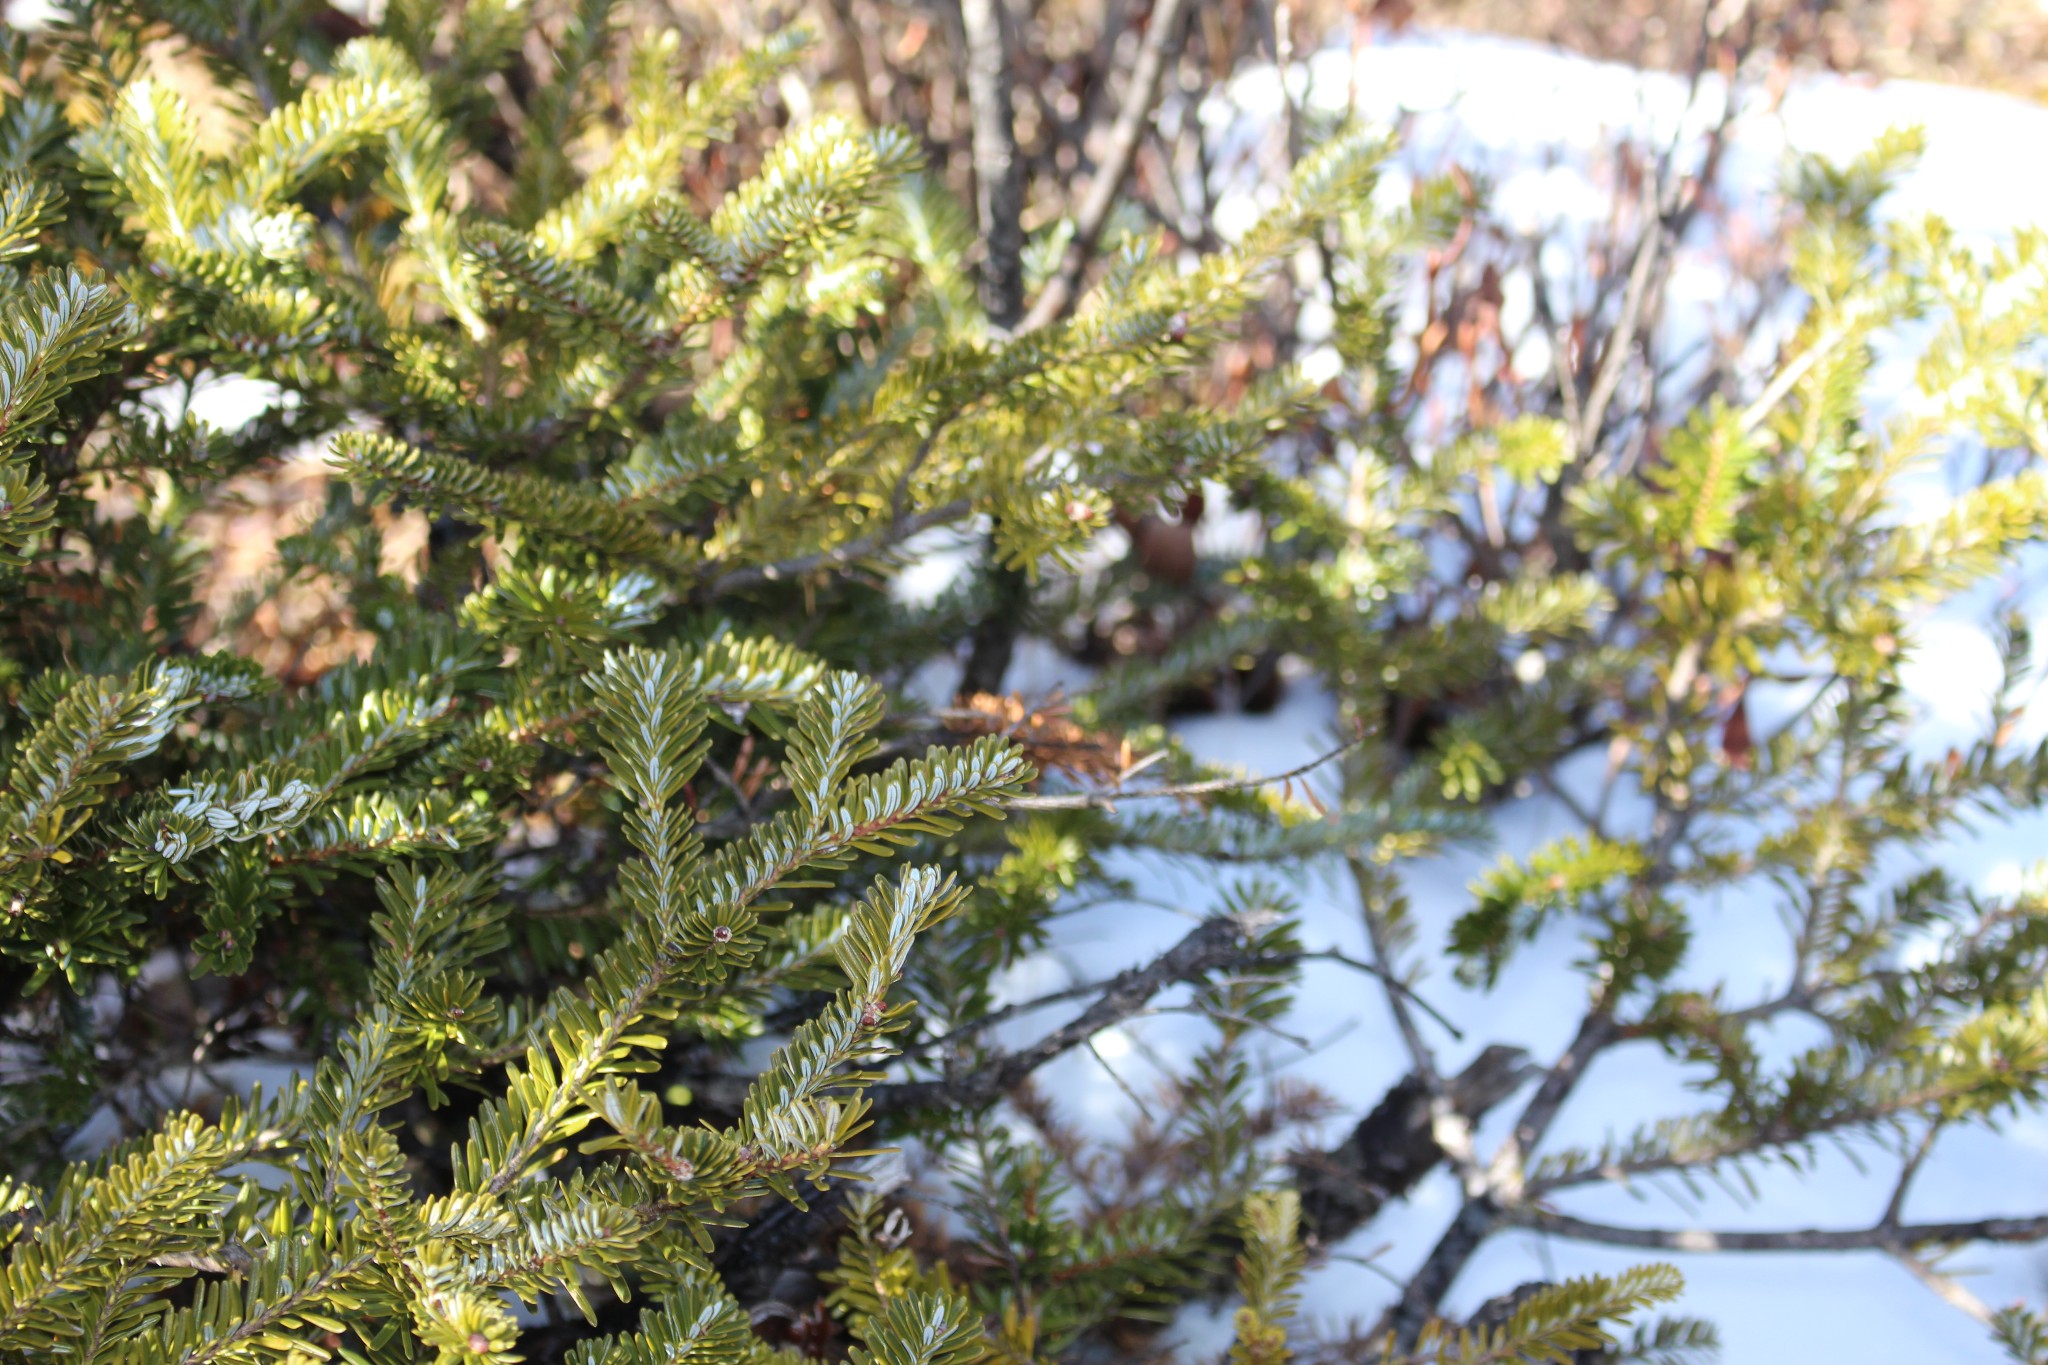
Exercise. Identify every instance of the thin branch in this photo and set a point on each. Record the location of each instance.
(1788, 378)
(1109, 800)
(1475, 1221)
(1161, 46)
(1383, 969)
(1391, 982)
(1877, 1238)
(1560, 345)
(1283, 57)
(1896, 1208)
(1451, 1129)
(1736, 1147)
(1212, 945)
(1650, 251)
(854, 45)
(1798, 997)
(1121, 1083)
(1596, 1031)
(1484, 1210)
(1244, 962)
(1578, 809)
(997, 1016)
(998, 169)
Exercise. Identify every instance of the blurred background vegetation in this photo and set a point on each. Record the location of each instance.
(1070, 64)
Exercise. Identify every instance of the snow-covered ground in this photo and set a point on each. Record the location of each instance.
(1536, 123)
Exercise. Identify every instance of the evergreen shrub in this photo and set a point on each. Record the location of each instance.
(616, 894)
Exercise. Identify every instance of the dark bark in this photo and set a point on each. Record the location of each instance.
(1383, 1159)
(1482, 1214)
(998, 170)
(999, 204)
(1392, 1148)
(995, 634)
(1211, 945)
(761, 1261)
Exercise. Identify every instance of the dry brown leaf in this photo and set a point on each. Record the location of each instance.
(1048, 734)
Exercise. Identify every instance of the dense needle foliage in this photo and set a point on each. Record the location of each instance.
(622, 890)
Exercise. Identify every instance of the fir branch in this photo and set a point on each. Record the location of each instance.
(55, 334)
(1268, 1275)
(697, 920)
(446, 483)
(1211, 946)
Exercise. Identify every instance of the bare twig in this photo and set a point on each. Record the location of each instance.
(1161, 46)
(1450, 1128)
(1596, 1031)
(1560, 352)
(854, 44)
(1283, 57)
(1240, 962)
(1382, 961)
(1121, 1084)
(1110, 800)
(1211, 945)
(1853, 1117)
(1392, 983)
(1788, 378)
(1876, 1238)
(1896, 1208)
